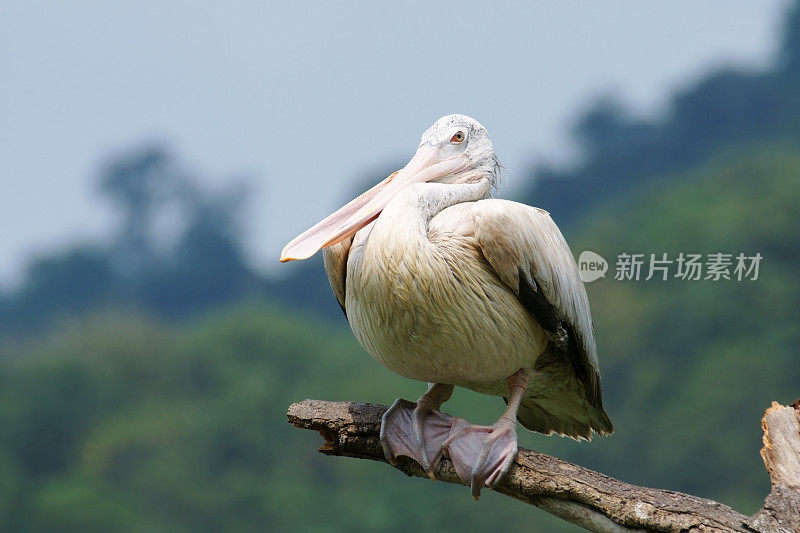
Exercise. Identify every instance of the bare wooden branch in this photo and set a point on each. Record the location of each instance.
(781, 455)
(576, 494)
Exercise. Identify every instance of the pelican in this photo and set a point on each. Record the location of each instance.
(442, 284)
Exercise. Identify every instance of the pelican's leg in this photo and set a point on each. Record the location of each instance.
(417, 430)
(482, 455)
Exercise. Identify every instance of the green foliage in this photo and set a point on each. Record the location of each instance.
(124, 425)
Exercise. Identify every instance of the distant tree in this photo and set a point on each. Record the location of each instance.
(137, 184)
(789, 59)
(73, 282)
(608, 128)
(207, 264)
(728, 108)
(201, 266)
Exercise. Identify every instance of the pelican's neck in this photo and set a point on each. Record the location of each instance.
(409, 213)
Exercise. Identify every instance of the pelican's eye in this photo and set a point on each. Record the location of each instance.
(457, 137)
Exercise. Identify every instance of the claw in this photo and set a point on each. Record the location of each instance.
(416, 432)
(482, 455)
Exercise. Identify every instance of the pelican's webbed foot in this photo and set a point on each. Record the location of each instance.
(482, 455)
(417, 430)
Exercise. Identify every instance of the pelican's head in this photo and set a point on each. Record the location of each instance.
(456, 149)
(454, 136)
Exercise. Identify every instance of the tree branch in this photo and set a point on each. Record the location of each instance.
(579, 495)
(781, 455)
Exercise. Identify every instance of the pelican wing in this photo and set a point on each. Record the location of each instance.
(527, 251)
(335, 260)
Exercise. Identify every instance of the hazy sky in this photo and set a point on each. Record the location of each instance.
(308, 97)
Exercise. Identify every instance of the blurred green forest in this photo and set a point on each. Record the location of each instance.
(144, 382)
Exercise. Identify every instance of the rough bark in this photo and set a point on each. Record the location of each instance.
(579, 495)
(781, 455)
